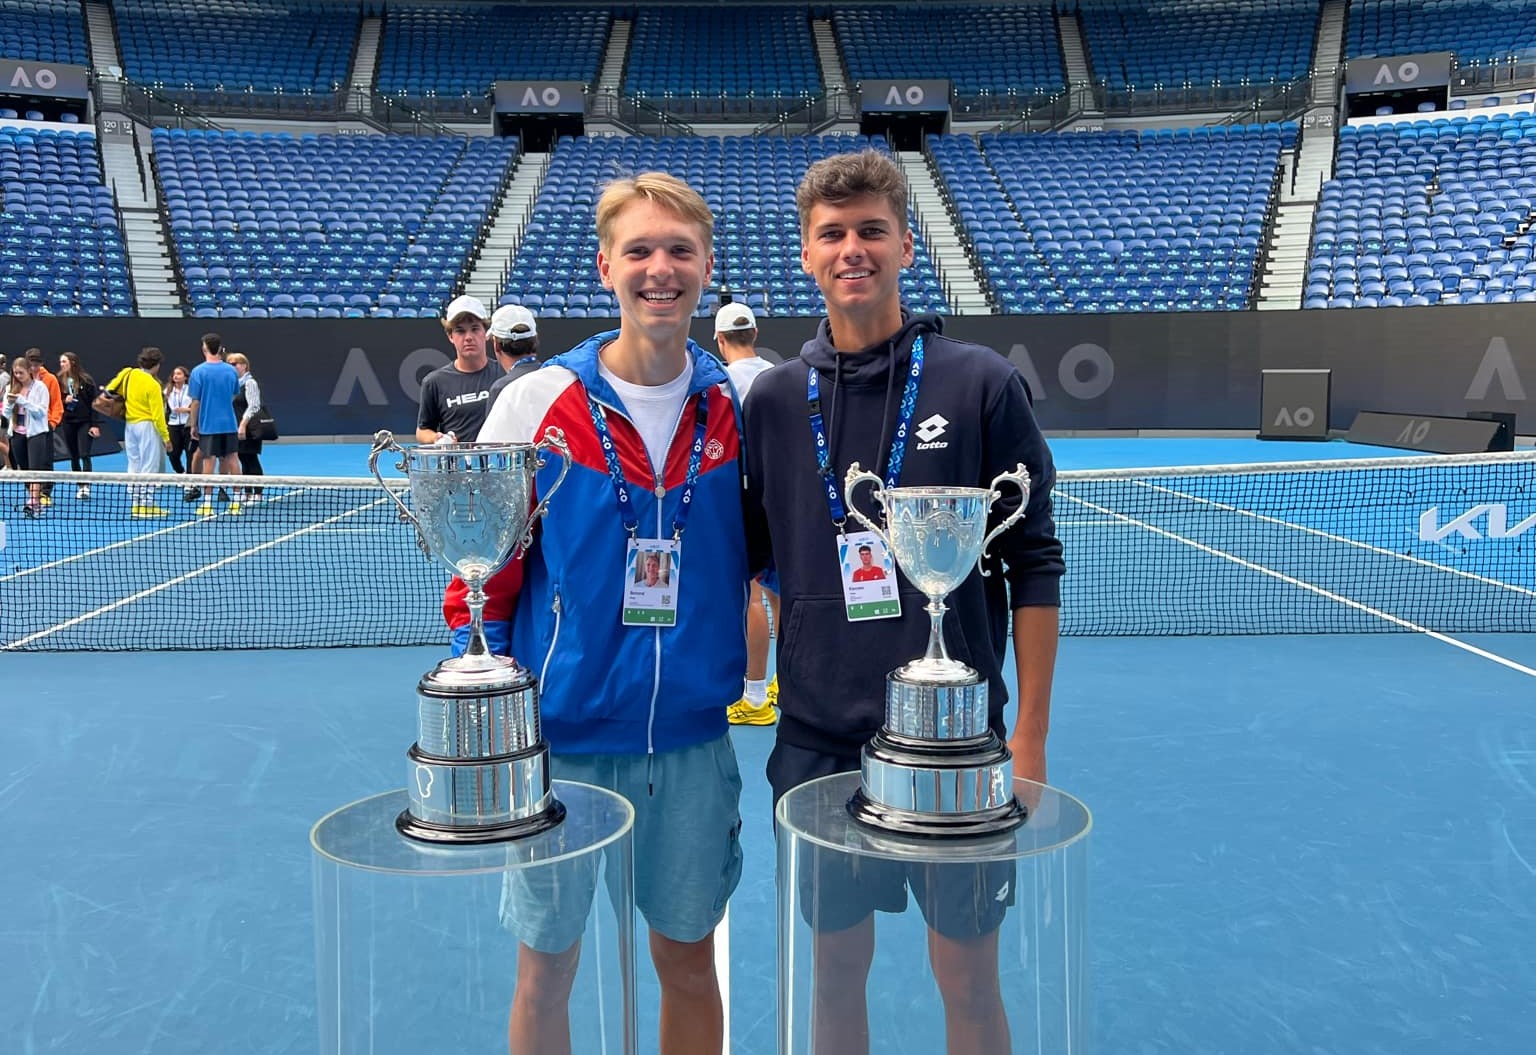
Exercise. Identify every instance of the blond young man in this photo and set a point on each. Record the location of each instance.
(634, 681)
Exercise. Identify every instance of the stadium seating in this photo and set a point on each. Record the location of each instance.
(1428, 212)
(42, 29)
(1478, 31)
(359, 224)
(454, 51)
(1156, 44)
(61, 252)
(736, 55)
(749, 184)
(1160, 220)
(263, 46)
(995, 51)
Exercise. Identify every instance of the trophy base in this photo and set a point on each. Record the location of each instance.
(461, 800)
(937, 789)
(413, 827)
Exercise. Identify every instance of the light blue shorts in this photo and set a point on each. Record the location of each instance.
(687, 848)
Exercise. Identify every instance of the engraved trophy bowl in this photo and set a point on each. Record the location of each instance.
(479, 766)
(936, 767)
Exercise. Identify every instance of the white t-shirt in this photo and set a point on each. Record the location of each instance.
(654, 409)
(744, 371)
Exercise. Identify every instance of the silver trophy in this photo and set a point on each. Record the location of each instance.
(936, 767)
(479, 766)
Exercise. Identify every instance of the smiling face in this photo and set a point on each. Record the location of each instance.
(652, 569)
(855, 251)
(656, 263)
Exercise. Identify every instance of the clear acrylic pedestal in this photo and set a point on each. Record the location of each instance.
(1009, 938)
(421, 947)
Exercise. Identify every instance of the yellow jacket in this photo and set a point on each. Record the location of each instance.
(145, 400)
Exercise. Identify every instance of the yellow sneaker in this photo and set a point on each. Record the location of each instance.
(234, 509)
(773, 691)
(743, 713)
(205, 510)
(149, 512)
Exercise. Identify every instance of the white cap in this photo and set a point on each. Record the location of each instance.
(733, 317)
(466, 305)
(513, 322)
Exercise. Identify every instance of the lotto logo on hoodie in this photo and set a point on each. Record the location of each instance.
(929, 432)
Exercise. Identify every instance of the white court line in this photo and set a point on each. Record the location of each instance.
(1340, 538)
(1311, 587)
(205, 569)
(126, 542)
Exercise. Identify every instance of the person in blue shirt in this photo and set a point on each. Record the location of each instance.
(212, 387)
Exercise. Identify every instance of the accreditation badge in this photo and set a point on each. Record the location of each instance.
(869, 577)
(651, 572)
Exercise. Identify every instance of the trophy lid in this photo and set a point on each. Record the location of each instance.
(477, 674)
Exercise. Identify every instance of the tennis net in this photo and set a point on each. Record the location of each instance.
(1445, 544)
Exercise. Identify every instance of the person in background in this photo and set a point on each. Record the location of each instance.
(736, 340)
(26, 409)
(213, 385)
(456, 397)
(55, 411)
(515, 332)
(178, 404)
(145, 436)
(247, 403)
(5, 434)
(79, 426)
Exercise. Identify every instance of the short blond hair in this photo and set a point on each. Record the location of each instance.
(237, 359)
(660, 189)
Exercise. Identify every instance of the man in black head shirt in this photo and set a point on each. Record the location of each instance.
(456, 398)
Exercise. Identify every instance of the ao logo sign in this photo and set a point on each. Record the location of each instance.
(550, 97)
(1406, 74)
(913, 96)
(1495, 514)
(1300, 418)
(42, 77)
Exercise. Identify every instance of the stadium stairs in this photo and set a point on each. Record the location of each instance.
(834, 74)
(1283, 276)
(514, 208)
(931, 206)
(365, 65)
(1074, 57)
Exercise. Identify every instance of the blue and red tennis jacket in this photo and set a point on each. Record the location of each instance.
(606, 688)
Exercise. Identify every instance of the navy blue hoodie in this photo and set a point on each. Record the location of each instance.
(972, 421)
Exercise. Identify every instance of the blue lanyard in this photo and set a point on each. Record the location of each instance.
(621, 485)
(898, 442)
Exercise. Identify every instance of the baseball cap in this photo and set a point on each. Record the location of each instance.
(513, 322)
(733, 317)
(466, 305)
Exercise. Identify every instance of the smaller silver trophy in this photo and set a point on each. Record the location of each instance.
(936, 768)
(479, 766)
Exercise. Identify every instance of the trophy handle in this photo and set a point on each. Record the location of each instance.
(384, 440)
(553, 440)
(851, 482)
(1019, 477)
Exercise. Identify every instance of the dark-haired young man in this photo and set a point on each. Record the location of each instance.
(456, 398)
(878, 373)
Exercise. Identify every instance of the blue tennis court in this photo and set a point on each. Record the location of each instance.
(1304, 842)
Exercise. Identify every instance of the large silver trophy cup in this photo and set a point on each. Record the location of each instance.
(936, 768)
(479, 769)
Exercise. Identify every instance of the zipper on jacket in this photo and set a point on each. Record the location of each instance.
(554, 640)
